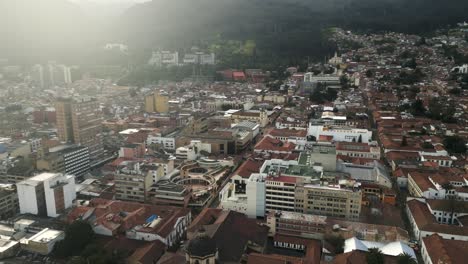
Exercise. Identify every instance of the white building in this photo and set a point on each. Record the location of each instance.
(263, 192)
(164, 58)
(340, 134)
(249, 126)
(46, 194)
(43, 242)
(199, 58)
(391, 249)
(461, 69)
(192, 151)
(35, 144)
(166, 141)
(329, 79)
(116, 46)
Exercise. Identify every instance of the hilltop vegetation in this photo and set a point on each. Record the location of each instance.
(277, 31)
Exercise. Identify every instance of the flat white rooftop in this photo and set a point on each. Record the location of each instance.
(319, 219)
(46, 235)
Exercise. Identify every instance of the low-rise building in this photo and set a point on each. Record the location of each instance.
(342, 200)
(395, 248)
(132, 151)
(298, 137)
(43, 242)
(296, 224)
(137, 221)
(359, 150)
(435, 249)
(134, 180)
(340, 133)
(259, 117)
(425, 222)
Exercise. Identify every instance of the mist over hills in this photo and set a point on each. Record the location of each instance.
(59, 29)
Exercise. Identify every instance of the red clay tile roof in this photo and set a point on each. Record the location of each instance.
(288, 133)
(356, 160)
(445, 251)
(231, 230)
(272, 144)
(401, 155)
(287, 179)
(248, 167)
(426, 221)
(256, 258)
(325, 138)
(120, 216)
(359, 257)
(353, 146)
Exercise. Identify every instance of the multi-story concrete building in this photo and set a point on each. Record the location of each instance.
(339, 133)
(69, 159)
(132, 151)
(322, 155)
(47, 194)
(312, 78)
(259, 117)
(134, 180)
(165, 140)
(296, 224)
(359, 150)
(342, 200)
(79, 121)
(199, 58)
(8, 201)
(157, 102)
(58, 74)
(164, 58)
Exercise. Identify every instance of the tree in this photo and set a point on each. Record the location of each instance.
(411, 63)
(455, 91)
(77, 236)
(337, 241)
(132, 92)
(344, 81)
(369, 73)
(375, 256)
(404, 141)
(455, 144)
(359, 139)
(406, 258)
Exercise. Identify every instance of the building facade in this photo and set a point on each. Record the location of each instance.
(336, 201)
(47, 194)
(79, 121)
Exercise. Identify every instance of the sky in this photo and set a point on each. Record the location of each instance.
(105, 8)
(111, 1)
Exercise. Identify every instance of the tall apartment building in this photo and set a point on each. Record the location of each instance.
(47, 194)
(37, 75)
(342, 200)
(69, 159)
(8, 201)
(133, 181)
(58, 74)
(157, 102)
(79, 122)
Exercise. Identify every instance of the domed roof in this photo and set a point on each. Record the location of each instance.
(202, 245)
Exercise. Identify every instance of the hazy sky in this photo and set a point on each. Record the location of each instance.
(111, 1)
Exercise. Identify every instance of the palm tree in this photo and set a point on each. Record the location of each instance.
(405, 258)
(375, 256)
